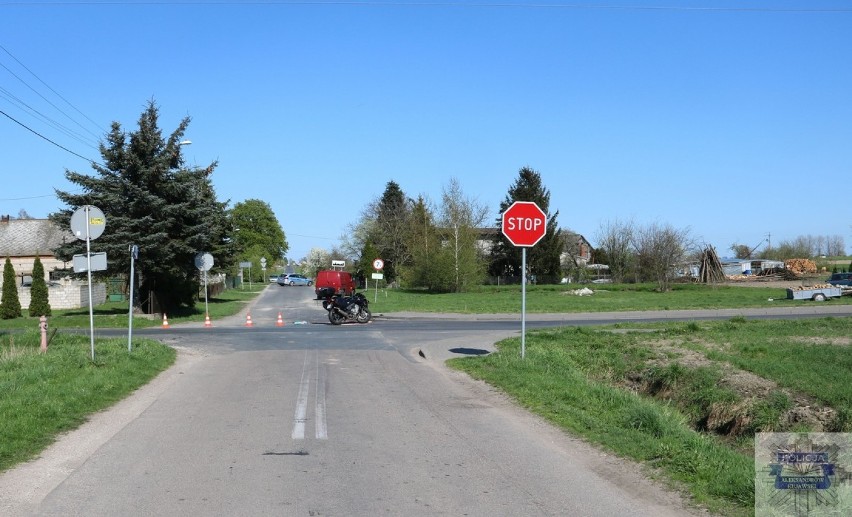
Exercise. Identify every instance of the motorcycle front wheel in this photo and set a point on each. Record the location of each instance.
(364, 315)
(335, 318)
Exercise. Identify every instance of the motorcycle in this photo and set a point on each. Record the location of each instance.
(345, 308)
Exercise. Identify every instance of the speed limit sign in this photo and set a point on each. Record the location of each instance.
(378, 264)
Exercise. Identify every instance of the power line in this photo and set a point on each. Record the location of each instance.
(55, 93)
(33, 131)
(36, 113)
(68, 131)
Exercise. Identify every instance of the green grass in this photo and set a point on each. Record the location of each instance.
(607, 298)
(114, 314)
(810, 356)
(635, 393)
(44, 395)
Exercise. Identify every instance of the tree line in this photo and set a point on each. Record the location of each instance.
(150, 198)
(448, 245)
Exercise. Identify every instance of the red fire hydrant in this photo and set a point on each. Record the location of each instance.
(42, 324)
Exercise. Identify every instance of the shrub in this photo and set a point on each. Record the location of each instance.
(39, 300)
(10, 306)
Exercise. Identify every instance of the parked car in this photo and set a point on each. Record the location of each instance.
(282, 279)
(294, 279)
(341, 281)
(840, 279)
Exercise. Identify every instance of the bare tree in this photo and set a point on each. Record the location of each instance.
(615, 238)
(835, 246)
(659, 250)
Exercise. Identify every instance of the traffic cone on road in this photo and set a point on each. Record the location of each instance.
(165, 321)
(280, 322)
(248, 320)
(207, 322)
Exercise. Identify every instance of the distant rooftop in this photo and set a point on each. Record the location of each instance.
(30, 237)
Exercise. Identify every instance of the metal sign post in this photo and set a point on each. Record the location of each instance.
(89, 272)
(523, 302)
(88, 222)
(134, 254)
(524, 224)
(378, 264)
(204, 261)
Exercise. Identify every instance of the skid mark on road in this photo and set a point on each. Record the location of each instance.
(311, 370)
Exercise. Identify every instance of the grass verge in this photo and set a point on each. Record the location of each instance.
(606, 298)
(44, 395)
(114, 314)
(685, 399)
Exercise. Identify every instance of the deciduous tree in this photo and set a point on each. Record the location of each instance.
(659, 250)
(458, 226)
(616, 239)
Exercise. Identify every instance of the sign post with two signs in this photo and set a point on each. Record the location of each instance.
(524, 224)
(88, 223)
(378, 264)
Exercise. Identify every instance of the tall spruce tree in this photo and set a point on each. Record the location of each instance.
(388, 234)
(10, 306)
(543, 259)
(150, 199)
(39, 295)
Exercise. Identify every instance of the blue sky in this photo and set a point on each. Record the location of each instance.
(731, 118)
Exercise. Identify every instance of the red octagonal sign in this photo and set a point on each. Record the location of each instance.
(524, 224)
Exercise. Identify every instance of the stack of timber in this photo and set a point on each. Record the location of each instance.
(795, 268)
(710, 271)
(801, 266)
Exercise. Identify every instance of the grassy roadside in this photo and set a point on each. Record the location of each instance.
(114, 314)
(606, 298)
(47, 394)
(685, 399)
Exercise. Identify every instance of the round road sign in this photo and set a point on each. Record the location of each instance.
(378, 264)
(524, 223)
(203, 261)
(96, 222)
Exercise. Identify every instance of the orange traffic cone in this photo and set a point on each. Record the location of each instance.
(165, 321)
(248, 321)
(207, 321)
(280, 322)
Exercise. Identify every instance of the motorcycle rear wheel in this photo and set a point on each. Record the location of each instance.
(364, 315)
(335, 318)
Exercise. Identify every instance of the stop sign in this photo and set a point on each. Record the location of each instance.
(524, 224)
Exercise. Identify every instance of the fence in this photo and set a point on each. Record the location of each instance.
(66, 294)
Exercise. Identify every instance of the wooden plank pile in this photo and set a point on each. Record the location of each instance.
(710, 271)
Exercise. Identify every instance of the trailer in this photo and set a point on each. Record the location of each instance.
(815, 293)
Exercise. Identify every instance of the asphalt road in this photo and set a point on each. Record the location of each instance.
(311, 419)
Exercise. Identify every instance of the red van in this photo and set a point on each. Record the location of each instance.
(340, 281)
